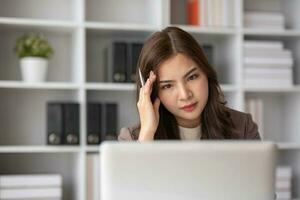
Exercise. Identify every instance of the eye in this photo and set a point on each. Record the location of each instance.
(167, 86)
(193, 76)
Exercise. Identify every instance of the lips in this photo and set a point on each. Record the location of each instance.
(189, 108)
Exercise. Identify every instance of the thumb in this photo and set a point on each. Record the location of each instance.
(156, 105)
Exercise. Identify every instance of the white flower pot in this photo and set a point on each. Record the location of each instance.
(33, 69)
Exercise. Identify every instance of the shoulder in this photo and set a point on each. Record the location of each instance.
(244, 126)
(129, 133)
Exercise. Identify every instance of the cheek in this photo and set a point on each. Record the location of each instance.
(202, 89)
(166, 99)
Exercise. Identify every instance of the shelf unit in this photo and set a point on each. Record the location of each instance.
(79, 31)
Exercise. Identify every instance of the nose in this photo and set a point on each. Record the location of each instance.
(184, 92)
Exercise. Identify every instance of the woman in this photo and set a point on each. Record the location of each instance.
(181, 98)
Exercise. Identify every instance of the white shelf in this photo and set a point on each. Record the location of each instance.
(103, 26)
(110, 86)
(270, 89)
(47, 85)
(92, 149)
(131, 87)
(54, 24)
(288, 146)
(282, 33)
(208, 30)
(39, 149)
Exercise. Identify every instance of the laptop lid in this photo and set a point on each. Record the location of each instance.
(210, 170)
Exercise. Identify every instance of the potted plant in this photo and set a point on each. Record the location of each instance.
(34, 51)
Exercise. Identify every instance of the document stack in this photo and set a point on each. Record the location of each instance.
(31, 187)
(264, 20)
(283, 183)
(267, 63)
(254, 106)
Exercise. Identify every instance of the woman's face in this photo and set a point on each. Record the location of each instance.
(183, 89)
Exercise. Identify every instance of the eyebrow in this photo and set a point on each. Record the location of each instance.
(186, 75)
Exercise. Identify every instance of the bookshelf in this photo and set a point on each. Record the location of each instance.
(79, 30)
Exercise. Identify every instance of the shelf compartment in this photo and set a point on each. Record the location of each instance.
(35, 9)
(23, 116)
(64, 66)
(126, 103)
(97, 46)
(66, 164)
(289, 43)
(289, 9)
(44, 85)
(281, 115)
(128, 12)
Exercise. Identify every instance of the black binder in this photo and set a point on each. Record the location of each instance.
(111, 121)
(55, 124)
(119, 61)
(94, 123)
(71, 120)
(134, 50)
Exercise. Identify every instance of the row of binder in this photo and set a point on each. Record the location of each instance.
(63, 122)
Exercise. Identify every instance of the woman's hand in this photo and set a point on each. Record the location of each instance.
(149, 115)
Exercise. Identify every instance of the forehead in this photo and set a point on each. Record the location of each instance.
(176, 65)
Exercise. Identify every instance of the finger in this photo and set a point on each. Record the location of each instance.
(149, 83)
(156, 105)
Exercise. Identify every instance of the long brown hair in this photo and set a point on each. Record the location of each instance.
(215, 118)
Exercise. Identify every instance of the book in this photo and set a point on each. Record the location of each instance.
(55, 123)
(203, 13)
(283, 195)
(208, 51)
(111, 121)
(71, 120)
(134, 50)
(262, 44)
(283, 184)
(268, 62)
(193, 12)
(117, 61)
(283, 173)
(264, 15)
(30, 193)
(30, 180)
(270, 54)
(178, 14)
(94, 122)
(275, 83)
(254, 106)
(271, 73)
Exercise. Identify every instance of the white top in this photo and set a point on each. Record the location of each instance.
(190, 133)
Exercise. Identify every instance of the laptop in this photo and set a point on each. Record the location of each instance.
(188, 170)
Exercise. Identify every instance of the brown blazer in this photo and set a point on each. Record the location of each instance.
(244, 127)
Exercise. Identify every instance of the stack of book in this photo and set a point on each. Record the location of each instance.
(31, 187)
(264, 20)
(93, 177)
(267, 63)
(283, 183)
(254, 106)
(210, 13)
